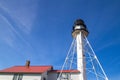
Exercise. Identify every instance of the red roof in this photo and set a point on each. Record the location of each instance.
(24, 69)
(66, 71)
(34, 69)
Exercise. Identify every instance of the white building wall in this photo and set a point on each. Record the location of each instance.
(54, 76)
(31, 77)
(6, 76)
(25, 76)
(47, 76)
(74, 76)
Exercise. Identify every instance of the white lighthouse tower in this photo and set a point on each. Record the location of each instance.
(79, 33)
(82, 57)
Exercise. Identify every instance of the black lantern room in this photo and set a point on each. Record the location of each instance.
(79, 26)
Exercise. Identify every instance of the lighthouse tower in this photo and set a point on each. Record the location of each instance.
(79, 33)
(82, 57)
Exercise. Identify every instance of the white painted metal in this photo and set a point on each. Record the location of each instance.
(66, 60)
(106, 78)
(80, 56)
(86, 60)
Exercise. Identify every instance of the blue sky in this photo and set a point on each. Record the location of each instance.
(40, 30)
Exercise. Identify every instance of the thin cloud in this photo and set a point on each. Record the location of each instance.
(15, 37)
(14, 26)
(117, 41)
(13, 21)
(115, 77)
(23, 15)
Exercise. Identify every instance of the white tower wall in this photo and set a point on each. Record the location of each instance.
(80, 56)
(79, 33)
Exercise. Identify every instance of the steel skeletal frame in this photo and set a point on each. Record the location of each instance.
(91, 66)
